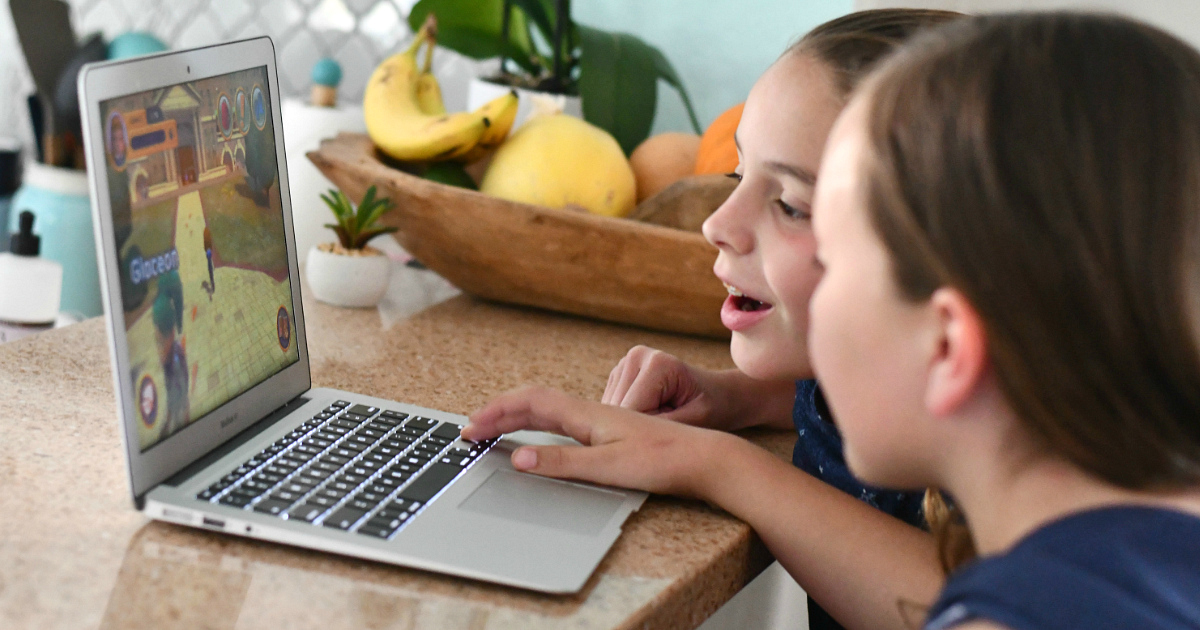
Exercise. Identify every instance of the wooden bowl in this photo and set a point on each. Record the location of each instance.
(617, 270)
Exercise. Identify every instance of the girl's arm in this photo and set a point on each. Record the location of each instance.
(867, 569)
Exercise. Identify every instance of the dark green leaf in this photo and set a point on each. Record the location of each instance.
(668, 74)
(539, 16)
(364, 208)
(478, 44)
(618, 82)
(482, 20)
(338, 203)
(375, 212)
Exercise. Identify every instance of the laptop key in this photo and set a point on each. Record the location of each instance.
(383, 486)
(286, 496)
(307, 479)
(430, 482)
(325, 502)
(352, 478)
(344, 518)
(314, 475)
(235, 500)
(449, 431)
(363, 410)
(369, 495)
(428, 451)
(392, 521)
(307, 512)
(257, 485)
(296, 488)
(362, 504)
(273, 507)
(378, 531)
(418, 422)
(327, 467)
(340, 404)
(330, 493)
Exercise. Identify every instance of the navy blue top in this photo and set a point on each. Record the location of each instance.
(1116, 567)
(818, 452)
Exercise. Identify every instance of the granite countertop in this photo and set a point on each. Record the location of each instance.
(75, 554)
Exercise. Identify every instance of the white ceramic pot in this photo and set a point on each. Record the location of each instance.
(480, 92)
(340, 280)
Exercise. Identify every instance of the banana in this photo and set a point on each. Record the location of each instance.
(398, 126)
(429, 95)
(501, 111)
(429, 92)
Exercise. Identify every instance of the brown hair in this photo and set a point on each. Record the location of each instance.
(1048, 167)
(852, 44)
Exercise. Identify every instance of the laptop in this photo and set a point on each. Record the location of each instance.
(222, 429)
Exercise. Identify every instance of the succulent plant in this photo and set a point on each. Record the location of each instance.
(355, 228)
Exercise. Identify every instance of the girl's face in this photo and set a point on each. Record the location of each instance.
(763, 231)
(870, 347)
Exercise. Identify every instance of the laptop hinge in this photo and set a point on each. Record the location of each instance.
(228, 446)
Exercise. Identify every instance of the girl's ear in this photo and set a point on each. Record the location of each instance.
(960, 360)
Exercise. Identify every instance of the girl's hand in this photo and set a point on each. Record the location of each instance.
(656, 383)
(619, 447)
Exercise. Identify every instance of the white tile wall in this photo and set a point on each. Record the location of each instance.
(358, 33)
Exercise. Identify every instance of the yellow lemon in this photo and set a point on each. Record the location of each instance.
(560, 161)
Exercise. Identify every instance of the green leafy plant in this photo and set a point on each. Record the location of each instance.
(355, 228)
(615, 74)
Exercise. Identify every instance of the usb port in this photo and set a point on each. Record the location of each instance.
(214, 522)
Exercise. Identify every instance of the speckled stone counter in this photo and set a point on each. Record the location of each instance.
(75, 554)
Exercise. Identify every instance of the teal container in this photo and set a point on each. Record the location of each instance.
(134, 44)
(58, 198)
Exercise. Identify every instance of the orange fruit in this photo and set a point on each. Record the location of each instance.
(662, 160)
(718, 153)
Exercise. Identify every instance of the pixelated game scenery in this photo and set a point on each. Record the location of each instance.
(200, 238)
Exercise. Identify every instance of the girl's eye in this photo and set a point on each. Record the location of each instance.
(793, 213)
(737, 176)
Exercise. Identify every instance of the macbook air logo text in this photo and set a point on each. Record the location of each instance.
(228, 421)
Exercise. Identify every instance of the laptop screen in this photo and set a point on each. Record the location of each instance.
(192, 172)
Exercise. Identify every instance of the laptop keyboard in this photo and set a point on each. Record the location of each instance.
(351, 467)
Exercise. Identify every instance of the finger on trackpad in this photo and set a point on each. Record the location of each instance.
(545, 502)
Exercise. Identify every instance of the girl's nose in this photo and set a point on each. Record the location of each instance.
(728, 227)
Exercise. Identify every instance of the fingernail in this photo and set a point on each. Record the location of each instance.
(524, 458)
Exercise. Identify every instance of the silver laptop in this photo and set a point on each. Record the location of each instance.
(222, 429)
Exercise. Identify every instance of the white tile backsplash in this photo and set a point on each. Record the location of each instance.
(358, 33)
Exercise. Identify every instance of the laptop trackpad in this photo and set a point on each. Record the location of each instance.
(544, 502)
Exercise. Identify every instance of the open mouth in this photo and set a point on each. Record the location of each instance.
(744, 302)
